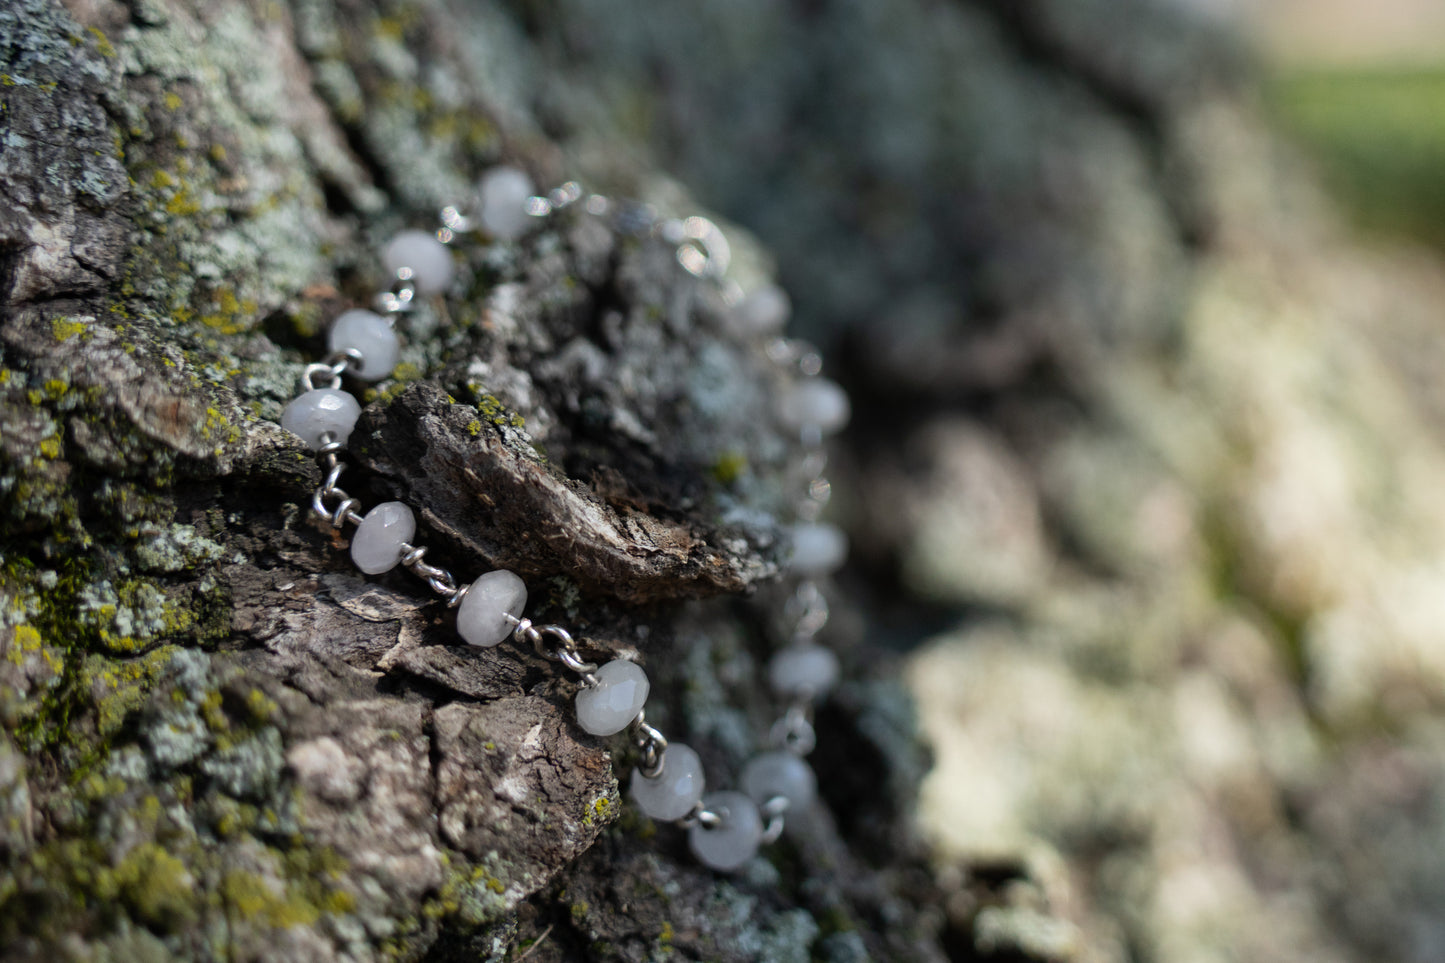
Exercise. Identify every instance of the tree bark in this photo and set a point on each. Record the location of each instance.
(221, 741)
(1144, 467)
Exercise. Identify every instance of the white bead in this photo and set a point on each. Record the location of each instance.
(376, 547)
(728, 846)
(620, 693)
(764, 311)
(799, 669)
(429, 259)
(482, 616)
(370, 334)
(673, 793)
(504, 192)
(314, 414)
(817, 549)
(815, 403)
(771, 774)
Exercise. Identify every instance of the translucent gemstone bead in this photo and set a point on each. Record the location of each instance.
(799, 669)
(676, 790)
(429, 259)
(504, 192)
(815, 403)
(372, 335)
(731, 844)
(620, 693)
(817, 549)
(764, 311)
(376, 547)
(482, 616)
(773, 774)
(314, 414)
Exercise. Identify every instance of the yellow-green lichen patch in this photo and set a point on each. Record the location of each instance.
(251, 898)
(229, 314)
(64, 329)
(260, 706)
(156, 886)
(729, 467)
(492, 409)
(103, 45)
(119, 688)
(471, 894)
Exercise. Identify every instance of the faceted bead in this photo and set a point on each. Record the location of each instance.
(429, 259)
(376, 547)
(673, 793)
(482, 616)
(504, 192)
(314, 414)
(797, 669)
(372, 335)
(815, 403)
(616, 699)
(817, 549)
(771, 774)
(764, 311)
(731, 844)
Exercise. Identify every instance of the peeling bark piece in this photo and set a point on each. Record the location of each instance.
(496, 499)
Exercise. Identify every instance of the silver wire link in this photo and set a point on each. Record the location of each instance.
(773, 811)
(651, 743)
(700, 816)
(345, 510)
(807, 610)
(332, 366)
(458, 595)
(562, 196)
(400, 297)
(454, 222)
(439, 579)
(565, 651)
(794, 731)
(702, 248)
(820, 492)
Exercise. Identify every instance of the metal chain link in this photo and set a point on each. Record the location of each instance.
(565, 651)
(651, 743)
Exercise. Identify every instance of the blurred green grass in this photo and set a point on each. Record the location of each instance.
(1378, 137)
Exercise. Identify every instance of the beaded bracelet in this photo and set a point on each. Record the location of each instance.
(725, 828)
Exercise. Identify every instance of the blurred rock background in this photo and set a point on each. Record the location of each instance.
(1149, 444)
(1144, 478)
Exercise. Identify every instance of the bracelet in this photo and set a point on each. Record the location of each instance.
(725, 828)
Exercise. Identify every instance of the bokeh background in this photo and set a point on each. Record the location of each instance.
(1140, 304)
